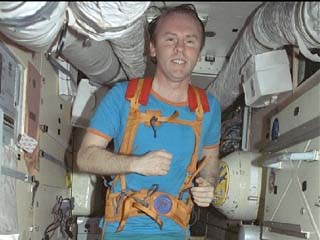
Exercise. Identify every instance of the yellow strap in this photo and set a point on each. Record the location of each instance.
(131, 128)
(199, 109)
(150, 213)
(197, 125)
(188, 183)
(130, 207)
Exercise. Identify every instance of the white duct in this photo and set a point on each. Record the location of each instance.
(120, 22)
(274, 25)
(106, 20)
(130, 50)
(34, 25)
(95, 59)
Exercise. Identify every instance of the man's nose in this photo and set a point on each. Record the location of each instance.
(180, 46)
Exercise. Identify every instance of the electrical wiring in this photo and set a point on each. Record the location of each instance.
(62, 218)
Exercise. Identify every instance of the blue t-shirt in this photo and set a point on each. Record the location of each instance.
(109, 120)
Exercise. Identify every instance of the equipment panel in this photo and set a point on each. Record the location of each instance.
(292, 205)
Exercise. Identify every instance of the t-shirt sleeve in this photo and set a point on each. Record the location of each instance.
(106, 118)
(213, 129)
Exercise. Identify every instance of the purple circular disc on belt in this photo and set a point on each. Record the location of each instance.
(162, 204)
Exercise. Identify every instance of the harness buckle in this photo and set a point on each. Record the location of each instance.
(140, 201)
(151, 190)
(120, 200)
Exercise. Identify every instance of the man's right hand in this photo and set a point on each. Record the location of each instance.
(152, 163)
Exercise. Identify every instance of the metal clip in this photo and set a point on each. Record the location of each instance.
(35, 185)
(119, 200)
(151, 191)
(142, 202)
(153, 120)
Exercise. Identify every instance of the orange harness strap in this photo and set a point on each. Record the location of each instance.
(121, 206)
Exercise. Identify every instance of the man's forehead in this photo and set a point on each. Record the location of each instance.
(191, 35)
(178, 15)
(168, 19)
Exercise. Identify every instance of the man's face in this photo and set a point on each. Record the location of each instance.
(177, 46)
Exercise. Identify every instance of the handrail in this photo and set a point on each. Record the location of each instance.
(276, 160)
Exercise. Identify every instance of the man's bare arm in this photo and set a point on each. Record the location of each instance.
(93, 157)
(211, 171)
(203, 191)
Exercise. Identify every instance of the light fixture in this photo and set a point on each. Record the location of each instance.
(204, 18)
(209, 33)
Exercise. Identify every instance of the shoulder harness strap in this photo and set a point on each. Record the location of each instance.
(193, 101)
(137, 93)
(144, 94)
(146, 88)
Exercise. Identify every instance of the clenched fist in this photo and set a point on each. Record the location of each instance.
(153, 163)
(202, 193)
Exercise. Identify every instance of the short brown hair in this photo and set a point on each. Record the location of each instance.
(183, 8)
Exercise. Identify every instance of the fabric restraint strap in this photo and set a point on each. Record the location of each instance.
(137, 93)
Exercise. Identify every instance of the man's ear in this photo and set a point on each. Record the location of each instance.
(152, 50)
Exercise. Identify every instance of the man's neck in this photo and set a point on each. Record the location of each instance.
(170, 90)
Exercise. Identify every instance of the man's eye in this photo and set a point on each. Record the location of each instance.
(170, 39)
(191, 41)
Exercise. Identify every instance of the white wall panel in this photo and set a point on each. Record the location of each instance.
(56, 114)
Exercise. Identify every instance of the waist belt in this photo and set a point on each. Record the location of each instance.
(121, 206)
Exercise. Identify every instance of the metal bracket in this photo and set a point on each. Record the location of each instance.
(54, 160)
(277, 160)
(16, 174)
(286, 229)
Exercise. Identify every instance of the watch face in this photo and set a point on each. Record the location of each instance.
(222, 186)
